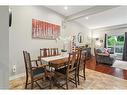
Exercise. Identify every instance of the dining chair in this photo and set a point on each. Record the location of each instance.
(35, 70)
(45, 52)
(81, 61)
(68, 73)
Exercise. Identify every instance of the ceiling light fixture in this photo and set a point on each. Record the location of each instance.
(65, 7)
(86, 17)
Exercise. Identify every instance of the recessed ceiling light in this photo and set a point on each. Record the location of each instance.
(65, 7)
(86, 17)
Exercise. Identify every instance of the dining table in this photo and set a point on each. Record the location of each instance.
(55, 62)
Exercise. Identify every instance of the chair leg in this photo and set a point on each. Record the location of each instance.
(76, 78)
(67, 83)
(51, 83)
(26, 82)
(84, 72)
(32, 83)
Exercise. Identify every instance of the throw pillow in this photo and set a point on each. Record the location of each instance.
(106, 51)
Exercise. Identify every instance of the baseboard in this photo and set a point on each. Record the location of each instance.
(16, 76)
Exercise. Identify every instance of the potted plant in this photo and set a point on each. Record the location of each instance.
(63, 51)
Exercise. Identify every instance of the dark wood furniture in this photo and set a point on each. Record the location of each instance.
(54, 51)
(46, 52)
(81, 60)
(68, 72)
(35, 70)
(60, 64)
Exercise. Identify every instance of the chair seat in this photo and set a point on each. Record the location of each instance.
(38, 71)
(61, 70)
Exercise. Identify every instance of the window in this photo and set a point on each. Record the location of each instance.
(116, 43)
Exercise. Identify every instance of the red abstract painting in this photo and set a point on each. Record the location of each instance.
(44, 30)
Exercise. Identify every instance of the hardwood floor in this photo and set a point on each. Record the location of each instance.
(91, 64)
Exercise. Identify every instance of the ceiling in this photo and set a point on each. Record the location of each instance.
(106, 17)
(115, 16)
(71, 9)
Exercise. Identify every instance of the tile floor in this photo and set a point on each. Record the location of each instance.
(94, 80)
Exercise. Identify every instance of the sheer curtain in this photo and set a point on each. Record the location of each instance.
(125, 48)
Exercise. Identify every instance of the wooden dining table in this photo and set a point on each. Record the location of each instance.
(55, 61)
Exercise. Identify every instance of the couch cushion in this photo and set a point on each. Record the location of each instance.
(99, 51)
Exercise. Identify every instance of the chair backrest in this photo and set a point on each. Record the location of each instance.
(45, 52)
(79, 56)
(27, 60)
(71, 64)
(54, 51)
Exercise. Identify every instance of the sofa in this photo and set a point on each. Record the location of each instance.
(102, 57)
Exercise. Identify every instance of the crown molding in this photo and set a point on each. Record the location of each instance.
(120, 26)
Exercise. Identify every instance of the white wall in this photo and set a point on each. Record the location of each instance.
(4, 47)
(20, 34)
(73, 28)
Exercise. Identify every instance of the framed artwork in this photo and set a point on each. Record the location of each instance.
(44, 30)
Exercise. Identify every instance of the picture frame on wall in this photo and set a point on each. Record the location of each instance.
(44, 30)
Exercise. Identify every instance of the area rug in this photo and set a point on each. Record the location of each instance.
(120, 64)
(94, 80)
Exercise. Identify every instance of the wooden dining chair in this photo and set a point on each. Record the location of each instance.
(35, 70)
(81, 61)
(68, 73)
(45, 52)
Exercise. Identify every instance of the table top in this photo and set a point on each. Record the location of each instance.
(56, 61)
(51, 58)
